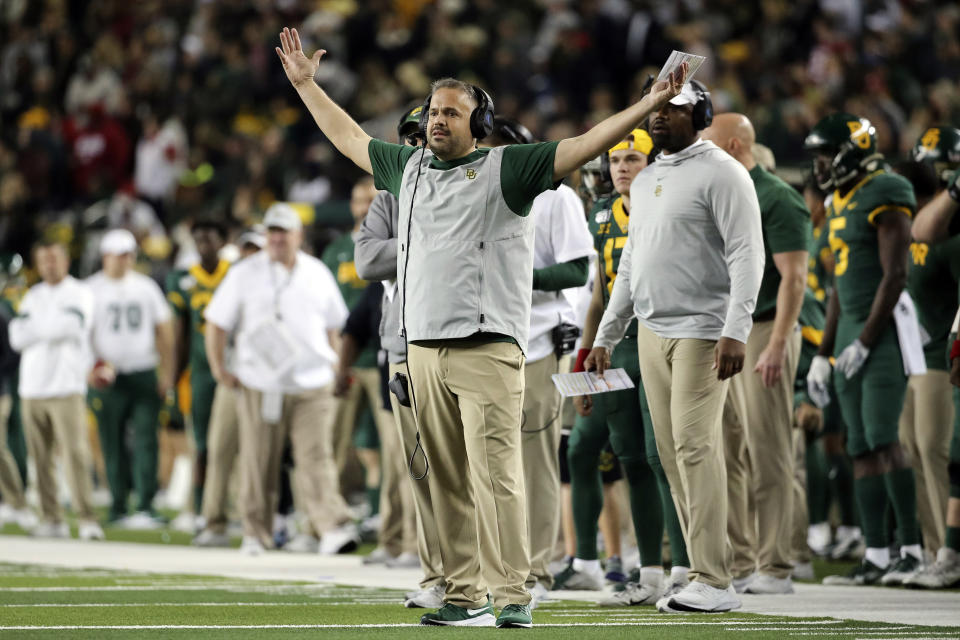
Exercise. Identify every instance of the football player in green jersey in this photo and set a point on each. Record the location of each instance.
(936, 224)
(828, 469)
(622, 417)
(188, 292)
(869, 233)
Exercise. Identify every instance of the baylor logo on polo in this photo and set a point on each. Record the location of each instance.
(658, 190)
(471, 174)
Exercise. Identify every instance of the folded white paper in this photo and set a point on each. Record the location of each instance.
(588, 383)
(676, 59)
(908, 332)
(275, 346)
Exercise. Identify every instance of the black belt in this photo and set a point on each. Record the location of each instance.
(770, 314)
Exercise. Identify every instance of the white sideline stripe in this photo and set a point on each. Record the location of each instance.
(185, 604)
(196, 587)
(730, 627)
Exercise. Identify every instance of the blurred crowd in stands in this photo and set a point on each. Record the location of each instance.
(147, 114)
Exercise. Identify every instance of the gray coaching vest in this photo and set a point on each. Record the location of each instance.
(471, 258)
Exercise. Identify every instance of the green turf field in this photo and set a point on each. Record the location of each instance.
(44, 602)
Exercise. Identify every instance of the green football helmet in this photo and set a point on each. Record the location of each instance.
(851, 142)
(11, 269)
(939, 146)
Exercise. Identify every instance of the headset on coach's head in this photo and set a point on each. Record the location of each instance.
(481, 118)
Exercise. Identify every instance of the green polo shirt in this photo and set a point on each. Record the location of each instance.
(786, 227)
(525, 172)
(932, 283)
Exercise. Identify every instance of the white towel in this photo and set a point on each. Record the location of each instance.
(956, 322)
(909, 333)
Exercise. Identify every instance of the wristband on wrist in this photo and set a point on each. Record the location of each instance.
(581, 356)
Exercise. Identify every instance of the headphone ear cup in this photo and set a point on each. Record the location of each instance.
(481, 118)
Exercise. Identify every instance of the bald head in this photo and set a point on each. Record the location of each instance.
(733, 132)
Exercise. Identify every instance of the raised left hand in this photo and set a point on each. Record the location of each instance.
(666, 89)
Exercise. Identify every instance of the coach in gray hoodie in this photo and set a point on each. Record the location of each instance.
(690, 274)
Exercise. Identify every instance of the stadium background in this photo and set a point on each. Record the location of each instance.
(184, 105)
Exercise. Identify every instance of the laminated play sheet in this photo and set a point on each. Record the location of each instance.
(676, 59)
(588, 383)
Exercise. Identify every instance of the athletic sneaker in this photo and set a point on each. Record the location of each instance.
(450, 615)
(942, 574)
(614, 570)
(141, 521)
(406, 560)
(49, 529)
(675, 586)
(89, 530)
(803, 571)
(903, 569)
(185, 522)
(302, 543)
(377, 556)
(699, 597)
(538, 593)
(573, 580)
(251, 546)
(430, 598)
(849, 544)
(343, 539)
(23, 518)
(819, 538)
(515, 616)
(635, 594)
(769, 585)
(740, 584)
(210, 538)
(633, 576)
(863, 574)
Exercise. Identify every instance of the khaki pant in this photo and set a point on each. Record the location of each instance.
(305, 420)
(11, 488)
(223, 445)
(398, 520)
(59, 423)
(686, 404)
(926, 426)
(425, 525)
(469, 402)
(347, 410)
(765, 437)
(540, 441)
(800, 550)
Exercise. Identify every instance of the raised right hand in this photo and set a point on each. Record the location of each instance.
(299, 68)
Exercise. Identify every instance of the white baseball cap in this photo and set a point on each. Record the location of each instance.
(687, 95)
(282, 216)
(252, 237)
(118, 242)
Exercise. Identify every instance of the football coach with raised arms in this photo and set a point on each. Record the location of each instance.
(465, 274)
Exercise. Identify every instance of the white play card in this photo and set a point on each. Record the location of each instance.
(588, 383)
(676, 59)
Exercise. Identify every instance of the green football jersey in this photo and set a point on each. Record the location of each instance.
(609, 221)
(189, 292)
(819, 277)
(852, 220)
(932, 283)
(338, 256)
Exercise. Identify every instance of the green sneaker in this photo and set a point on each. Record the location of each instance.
(515, 616)
(450, 615)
